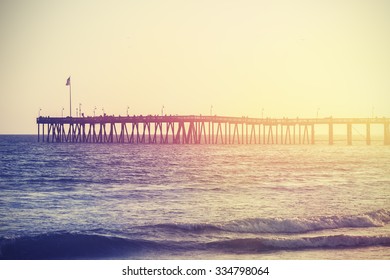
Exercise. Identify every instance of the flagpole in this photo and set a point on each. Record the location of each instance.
(70, 99)
(68, 83)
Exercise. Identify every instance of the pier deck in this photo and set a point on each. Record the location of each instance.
(198, 129)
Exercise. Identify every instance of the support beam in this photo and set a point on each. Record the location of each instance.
(38, 131)
(349, 134)
(368, 134)
(386, 133)
(331, 134)
(312, 134)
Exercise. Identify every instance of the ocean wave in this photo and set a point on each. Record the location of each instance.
(71, 246)
(141, 241)
(83, 246)
(290, 225)
(302, 225)
(194, 228)
(252, 245)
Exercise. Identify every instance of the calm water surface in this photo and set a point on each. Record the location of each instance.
(118, 201)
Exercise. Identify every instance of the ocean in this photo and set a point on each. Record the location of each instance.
(126, 201)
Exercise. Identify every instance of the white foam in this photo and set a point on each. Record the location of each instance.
(301, 225)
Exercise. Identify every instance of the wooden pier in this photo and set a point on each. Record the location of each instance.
(199, 129)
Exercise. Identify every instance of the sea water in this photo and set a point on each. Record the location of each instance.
(127, 201)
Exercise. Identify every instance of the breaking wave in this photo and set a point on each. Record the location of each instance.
(70, 245)
(248, 245)
(82, 246)
(291, 225)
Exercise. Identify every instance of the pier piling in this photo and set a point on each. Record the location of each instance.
(349, 133)
(387, 133)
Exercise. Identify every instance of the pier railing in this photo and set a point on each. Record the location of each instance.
(153, 129)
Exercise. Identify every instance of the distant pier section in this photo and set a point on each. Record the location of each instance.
(202, 129)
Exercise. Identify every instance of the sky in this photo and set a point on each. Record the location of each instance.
(251, 58)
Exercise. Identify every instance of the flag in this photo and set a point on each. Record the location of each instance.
(68, 81)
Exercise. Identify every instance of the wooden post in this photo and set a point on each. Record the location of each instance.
(349, 134)
(300, 141)
(212, 135)
(281, 134)
(226, 133)
(294, 135)
(386, 133)
(312, 134)
(306, 135)
(270, 134)
(276, 134)
(330, 133)
(209, 132)
(242, 133)
(246, 127)
(229, 132)
(368, 134)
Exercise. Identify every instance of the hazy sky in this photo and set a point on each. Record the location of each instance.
(292, 58)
